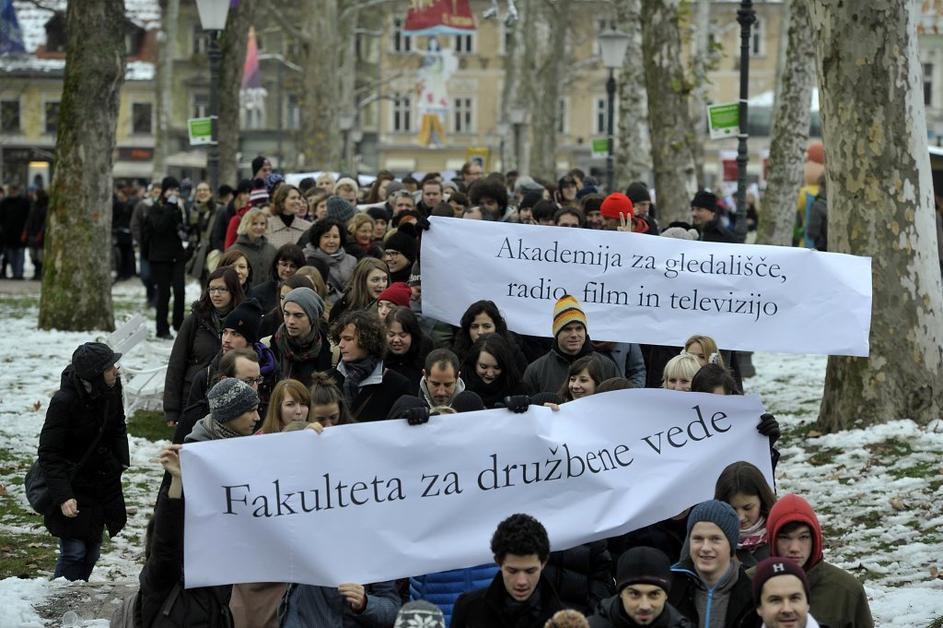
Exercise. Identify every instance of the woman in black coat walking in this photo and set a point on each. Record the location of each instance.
(199, 339)
(83, 450)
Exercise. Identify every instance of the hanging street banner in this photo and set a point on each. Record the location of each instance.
(644, 289)
(723, 120)
(378, 501)
(439, 17)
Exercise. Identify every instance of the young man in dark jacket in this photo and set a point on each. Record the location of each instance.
(519, 596)
(708, 586)
(300, 345)
(85, 423)
(644, 581)
(369, 388)
(705, 214)
(571, 341)
(162, 244)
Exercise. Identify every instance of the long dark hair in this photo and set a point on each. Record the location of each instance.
(743, 477)
(204, 306)
(420, 345)
(592, 364)
(463, 339)
(500, 350)
(323, 226)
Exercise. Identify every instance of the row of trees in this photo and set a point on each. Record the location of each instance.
(874, 125)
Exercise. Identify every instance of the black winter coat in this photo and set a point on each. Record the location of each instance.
(73, 421)
(290, 367)
(197, 343)
(487, 608)
(160, 234)
(14, 210)
(163, 570)
(741, 612)
(492, 394)
(611, 614)
(374, 401)
(581, 575)
(266, 294)
(667, 535)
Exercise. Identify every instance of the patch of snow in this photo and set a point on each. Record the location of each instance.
(19, 596)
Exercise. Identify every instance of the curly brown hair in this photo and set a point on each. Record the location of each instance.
(371, 334)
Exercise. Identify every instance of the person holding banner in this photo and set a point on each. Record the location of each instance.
(519, 595)
(571, 342)
(490, 370)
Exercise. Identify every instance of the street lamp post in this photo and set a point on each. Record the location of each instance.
(502, 128)
(746, 16)
(213, 19)
(517, 114)
(612, 46)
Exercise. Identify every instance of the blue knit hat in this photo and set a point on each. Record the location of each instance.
(720, 514)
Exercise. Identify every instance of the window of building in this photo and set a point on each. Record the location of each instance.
(52, 116)
(253, 119)
(10, 116)
(462, 115)
(293, 119)
(927, 84)
(464, 44)
(201, 105)
(562, 110)
(401, 41)
(757, 47)
(402, 114)
(602, 116)
(142, 118)
(201, 40)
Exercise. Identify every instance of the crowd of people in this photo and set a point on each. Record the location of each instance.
(311, 317)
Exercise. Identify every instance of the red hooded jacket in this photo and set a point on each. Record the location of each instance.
(786, 510)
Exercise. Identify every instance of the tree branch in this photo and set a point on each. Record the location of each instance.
(44, 6)
(345, 12)
(285, 23)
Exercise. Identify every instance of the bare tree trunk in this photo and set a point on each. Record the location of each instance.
(232, 44)
(549, 48)
(511, 92)
(668, 113)
(321, 137)
(76, 292)
(790, 132)
(632, 150)
(700, 63)
(880, 199)
(166, 49)
(346, 81)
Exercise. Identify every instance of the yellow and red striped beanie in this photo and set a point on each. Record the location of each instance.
(567, 310)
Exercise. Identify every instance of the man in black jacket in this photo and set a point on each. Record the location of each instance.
(14, 210)
(519, 596)
(162, 237)
(83, 450)
(644, 580)
(705, 214)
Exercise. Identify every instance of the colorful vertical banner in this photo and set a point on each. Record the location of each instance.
(439, 17)
(11, 36)
(252, 94)
(437, 67)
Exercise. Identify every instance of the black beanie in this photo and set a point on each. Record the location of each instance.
(92, 359)
(467, 401)
(644, 565)
(257, 163)
(168, 183)
(245, 319)
(705, 200)
(400, 241)
(638, 192)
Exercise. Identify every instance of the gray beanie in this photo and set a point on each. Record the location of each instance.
(309, 301)
(231, 398)
(720, 514)
(339, 209)
(393, 188)
(419, 613)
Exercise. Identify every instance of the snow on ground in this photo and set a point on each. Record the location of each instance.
(878, 491)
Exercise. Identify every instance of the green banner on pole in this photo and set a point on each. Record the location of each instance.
(201, 131)
(724, 120)
(600, 148)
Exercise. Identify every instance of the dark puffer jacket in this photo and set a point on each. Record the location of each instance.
(611, 614)
(581, 575)
(489, 608)
(73, 421)
(197, 343)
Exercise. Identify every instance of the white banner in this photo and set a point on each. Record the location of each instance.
(377, 501)
(647, 289)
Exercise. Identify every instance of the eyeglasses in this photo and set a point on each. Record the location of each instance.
(217, 290)
(252, 380)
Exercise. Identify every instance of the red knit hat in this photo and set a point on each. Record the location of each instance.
(397, 293)
(615, 204)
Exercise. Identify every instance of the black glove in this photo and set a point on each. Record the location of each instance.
(517, 403)
(417, 416)
(423, 224)
(769, 427)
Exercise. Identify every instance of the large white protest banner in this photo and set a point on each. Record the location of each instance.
(645, 289)
(377, 501)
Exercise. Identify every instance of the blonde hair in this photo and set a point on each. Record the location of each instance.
(357, 220)
(287, 387)
(683, 366)
(325, 176)
(708, 346)
(312, 273)
(247, 220)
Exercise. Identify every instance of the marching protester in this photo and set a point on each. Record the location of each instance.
(370, 278)
(583, 378)
(83, 450)
(239, 262)
(440, 385)
(288, 259)
(300, 344)
(199, 339)
(406, 345)
(286, 224)
(781, 595)
(519, 594)
(679, 371)
(327, 245)
(743, 486)
(395, 295)
(490, 370)
(251, 241)
(162, 235)
(483, 317)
